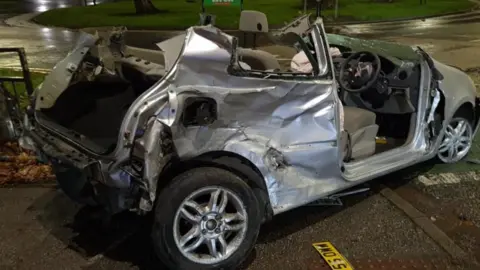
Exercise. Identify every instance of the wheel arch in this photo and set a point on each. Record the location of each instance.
(229, 161)
(466, 109)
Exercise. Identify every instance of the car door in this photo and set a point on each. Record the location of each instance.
(296, 116)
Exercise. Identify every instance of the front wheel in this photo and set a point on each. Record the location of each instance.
(207, 218)
(457, 140)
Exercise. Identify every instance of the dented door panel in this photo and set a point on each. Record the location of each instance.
(286, 128)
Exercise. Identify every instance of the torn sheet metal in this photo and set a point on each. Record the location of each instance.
(172, 48)
(298, 26)
(288, 125)
(153, 148)
(436, 100)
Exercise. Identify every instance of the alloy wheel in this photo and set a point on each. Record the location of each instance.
(457, 141)
(210, 225)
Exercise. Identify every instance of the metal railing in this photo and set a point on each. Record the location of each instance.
(26, 79)
(11, 111)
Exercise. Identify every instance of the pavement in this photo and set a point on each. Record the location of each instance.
(451, 201)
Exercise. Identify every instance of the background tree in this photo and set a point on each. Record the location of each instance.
(144, 7)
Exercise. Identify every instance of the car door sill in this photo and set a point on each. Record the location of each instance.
(384, 163)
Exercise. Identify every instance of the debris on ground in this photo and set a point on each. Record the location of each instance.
(20, 166)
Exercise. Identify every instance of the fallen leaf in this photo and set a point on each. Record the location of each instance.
(19, 166)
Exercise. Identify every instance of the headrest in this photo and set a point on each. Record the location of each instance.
(253, 21)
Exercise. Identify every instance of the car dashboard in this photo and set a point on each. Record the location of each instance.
(396, 87)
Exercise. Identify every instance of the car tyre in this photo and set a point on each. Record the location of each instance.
(457, 139)
(200, 205)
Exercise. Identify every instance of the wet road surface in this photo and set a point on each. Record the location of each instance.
(45, 46)
(464, 26)
(27, 6)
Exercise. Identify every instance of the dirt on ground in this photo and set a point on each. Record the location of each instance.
(19, 166)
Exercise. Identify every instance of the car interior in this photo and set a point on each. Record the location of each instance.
(92, 108)
(379, 106)
(379, 98)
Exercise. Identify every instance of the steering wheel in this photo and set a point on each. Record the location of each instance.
(347, 79)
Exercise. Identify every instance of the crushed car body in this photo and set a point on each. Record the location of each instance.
(131, 121)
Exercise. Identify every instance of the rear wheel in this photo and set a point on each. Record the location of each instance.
(207, 218)
(457, 140)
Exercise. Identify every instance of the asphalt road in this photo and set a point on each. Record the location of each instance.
(454, 27)
(45, 46)
(41, 229)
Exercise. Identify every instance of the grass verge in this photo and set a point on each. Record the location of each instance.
(37, 78)
(179, 14)
(18, 166)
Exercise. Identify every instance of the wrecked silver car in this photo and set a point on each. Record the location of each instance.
(216, 139)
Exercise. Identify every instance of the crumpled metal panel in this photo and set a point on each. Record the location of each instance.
(286, 128)
(58, 80)
(154, 160)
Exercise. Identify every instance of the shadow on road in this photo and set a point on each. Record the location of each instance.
(82, 230)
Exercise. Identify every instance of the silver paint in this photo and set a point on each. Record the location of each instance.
(287, 128)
